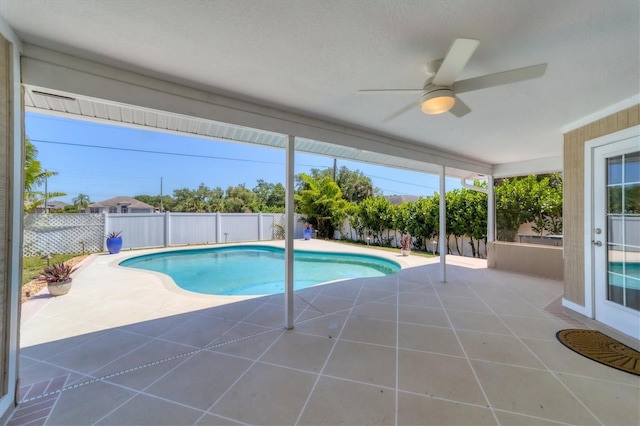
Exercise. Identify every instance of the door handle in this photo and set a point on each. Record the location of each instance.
(597, 243)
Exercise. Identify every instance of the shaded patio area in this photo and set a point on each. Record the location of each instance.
(125, 347)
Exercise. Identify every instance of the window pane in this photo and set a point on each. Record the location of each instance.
(632, 264)
(614, 231)
(632, 167)
(615, 199)
(615, 289)
(632, 231)
(614, 170)
(632, 198)
(633, 293)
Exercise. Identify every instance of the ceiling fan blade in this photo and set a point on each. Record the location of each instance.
(459, 108)
(401, 111)
(499, 79)
(457, 57)
(390, 90)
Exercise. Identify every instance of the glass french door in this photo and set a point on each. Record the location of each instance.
(616, 235)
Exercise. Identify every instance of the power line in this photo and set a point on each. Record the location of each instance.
(180, 154)
(145, 151)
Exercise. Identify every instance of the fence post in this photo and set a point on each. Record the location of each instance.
(106, 231)
(167, 229)
(218, 228)
(259, 226)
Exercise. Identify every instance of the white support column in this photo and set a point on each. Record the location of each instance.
(288, 234)
(259, 226)
(491, 211)
(443, 228)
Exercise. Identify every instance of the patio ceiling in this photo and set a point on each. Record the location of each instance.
(310, 58)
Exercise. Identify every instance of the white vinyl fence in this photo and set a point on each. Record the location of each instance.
(84, 232)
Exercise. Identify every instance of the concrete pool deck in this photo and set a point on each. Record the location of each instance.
(105, 295)
(124, 347)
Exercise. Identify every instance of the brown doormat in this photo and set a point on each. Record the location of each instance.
(601, 348)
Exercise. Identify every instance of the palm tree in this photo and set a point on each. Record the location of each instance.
(33, 177)
(81, 202)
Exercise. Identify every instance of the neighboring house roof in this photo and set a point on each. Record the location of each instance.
(130, 202)
(399, 199)
(54, 205)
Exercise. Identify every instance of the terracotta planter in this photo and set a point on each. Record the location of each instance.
(58, 289)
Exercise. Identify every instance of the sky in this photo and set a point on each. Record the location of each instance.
(105, 161)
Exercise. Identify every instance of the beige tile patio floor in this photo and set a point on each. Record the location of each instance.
(126, 347)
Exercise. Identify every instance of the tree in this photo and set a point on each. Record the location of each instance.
(167, 204)
(202, 200)
(355, 186)
(456, 223)
(81, 202)
(536, 199)
(239, 199)
(376, 217)
(421, 218)
(34, 176)
(320, 200)
(270, 197)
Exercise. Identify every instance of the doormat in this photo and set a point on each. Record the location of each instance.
(601, 348)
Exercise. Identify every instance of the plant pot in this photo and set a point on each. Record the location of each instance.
(307, 234)
(58, 289)
(114, 245)
(405, 252)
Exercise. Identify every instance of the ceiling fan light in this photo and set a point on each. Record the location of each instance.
(437, 101)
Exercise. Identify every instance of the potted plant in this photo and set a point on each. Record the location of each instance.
(405, 245)
(114, 242)
(58, 278)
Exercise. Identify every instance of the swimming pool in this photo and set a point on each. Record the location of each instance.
(255, 270)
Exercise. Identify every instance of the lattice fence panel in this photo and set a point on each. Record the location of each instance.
(63, 233)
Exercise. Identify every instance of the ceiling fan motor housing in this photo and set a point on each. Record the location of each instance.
(437, 99)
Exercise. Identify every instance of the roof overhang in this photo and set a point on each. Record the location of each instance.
(61, 84)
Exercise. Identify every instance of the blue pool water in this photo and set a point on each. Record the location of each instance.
(253, 270)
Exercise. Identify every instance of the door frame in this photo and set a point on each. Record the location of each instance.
(589, 309)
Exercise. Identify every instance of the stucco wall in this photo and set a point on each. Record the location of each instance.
(528, 259)
(573, 216)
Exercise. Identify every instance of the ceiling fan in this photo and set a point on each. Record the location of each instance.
(440, 90)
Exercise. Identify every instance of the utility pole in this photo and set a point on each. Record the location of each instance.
(335, 168)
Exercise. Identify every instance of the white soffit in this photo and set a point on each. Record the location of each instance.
(529, 167)
(68, 105)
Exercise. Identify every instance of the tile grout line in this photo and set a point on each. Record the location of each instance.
(486, 397)
(326, 361)
(538, 358)
(208, 347)
(150, 364)
(144, 365)
(244, 372)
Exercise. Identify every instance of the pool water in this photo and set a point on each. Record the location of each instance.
(255, 270)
